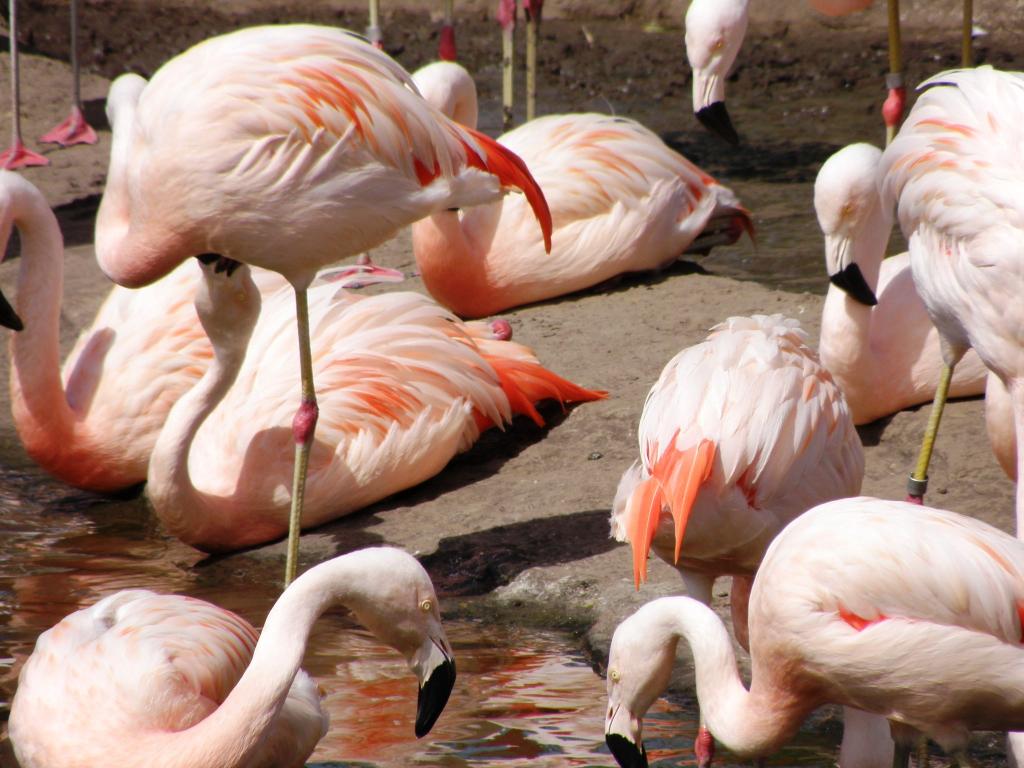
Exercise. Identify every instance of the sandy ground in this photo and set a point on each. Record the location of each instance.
(520, 523)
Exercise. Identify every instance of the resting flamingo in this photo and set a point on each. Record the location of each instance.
(621, 201)
(170, 681)
(404, 387)
(848, 607)
(740, 434)
(289, 148)
(714, 35)
(877, 340)
(952, 170)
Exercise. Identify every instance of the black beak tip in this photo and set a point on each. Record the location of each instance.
(715, 117)
(625, 752)
(8, 317)
(851, 280)
(433, 696)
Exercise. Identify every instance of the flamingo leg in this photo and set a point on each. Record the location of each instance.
(533, 10)
(303, 427)
(917, 485)
(967, 42)
(17, 155)
(373, 33)
(508, 55)
(75, 129)
(892, 109)
(446, 48)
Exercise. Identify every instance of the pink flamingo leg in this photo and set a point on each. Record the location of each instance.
(75, 129)
(446, 47)
(17, 155)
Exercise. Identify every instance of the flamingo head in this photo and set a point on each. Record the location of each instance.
(639, 667)
(227, 302)
(397, 603)
(21, 203)
(714, 34)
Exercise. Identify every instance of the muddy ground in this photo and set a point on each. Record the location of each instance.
(517, 527)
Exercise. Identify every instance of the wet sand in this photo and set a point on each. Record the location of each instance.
(518, 527)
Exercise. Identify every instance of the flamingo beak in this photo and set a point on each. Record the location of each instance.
(851, 280)
(8, 317)
(622, 735)
(436, 685)
(715, 117)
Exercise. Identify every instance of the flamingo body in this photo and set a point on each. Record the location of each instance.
(404, 386)
(288, 148)
(847, 607)
(621, 201)
(141, 679)
(885, 357)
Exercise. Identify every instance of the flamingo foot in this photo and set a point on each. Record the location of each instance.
(446, 47)
(20, 156)
(74, 130)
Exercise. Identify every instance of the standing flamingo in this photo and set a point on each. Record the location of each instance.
(404, 387)
(289, 148)
(166, 680)
(848, 607)
(740, 434)
(75, 129)
(17, 155)
(877, 340)
(952, 170)
(621, 201)
(446, 44)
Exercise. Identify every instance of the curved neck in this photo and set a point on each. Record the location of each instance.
(179, 505)
(42, 415)
(230, 735)
(453, 267)
(754, 722)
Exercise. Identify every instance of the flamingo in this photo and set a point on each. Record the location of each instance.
(848, 607)
(740, 434)
(950, 169)
(877, 340)
(140, 678)
(404, 387)
(17, 155)
(75, 129)
(621, 201)
(289, 148)
(714, 35)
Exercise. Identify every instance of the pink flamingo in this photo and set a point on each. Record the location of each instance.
(404, 387)
(848, 608)
(877, 340)
(289, 148)
(949, 169)
(75, 129)
(166, 680)
(621, 201)
(740, 434)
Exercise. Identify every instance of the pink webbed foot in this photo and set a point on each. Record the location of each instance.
(20, 156)
(74, 130)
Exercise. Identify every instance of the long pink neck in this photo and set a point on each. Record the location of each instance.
(453, 268)
(44, 420)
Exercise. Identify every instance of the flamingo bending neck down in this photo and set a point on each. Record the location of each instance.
(289, 148)
(877, 340)
(846, 608)
(168, 681)
(621, 201)
(404, 387)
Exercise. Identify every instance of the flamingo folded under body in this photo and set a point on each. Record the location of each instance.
(877, 340)
(289, 148)
(404, 387)
(621, 201)
(848, 607)
(740, 434)
(168, 681)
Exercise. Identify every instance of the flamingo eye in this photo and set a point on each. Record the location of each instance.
(849, 210)
(426, 605)
(719, 45)
(614, 675)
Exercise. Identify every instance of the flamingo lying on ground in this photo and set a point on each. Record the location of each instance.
(167, 680)
(740, 434)
(848, 607)
(404, 386)
(621, 201)
(289, 148)
(714, 34)
(952, 170)
(877, 340)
